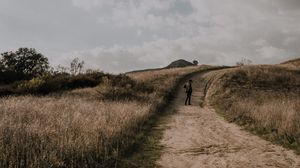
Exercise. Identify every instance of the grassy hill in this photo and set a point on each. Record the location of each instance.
(87, 127)
(181, 63)
(94, 126)
(265, 99)
(294, 62)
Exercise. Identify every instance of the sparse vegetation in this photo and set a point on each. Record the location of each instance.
(265, 99)
(76, 66)
(243, 62)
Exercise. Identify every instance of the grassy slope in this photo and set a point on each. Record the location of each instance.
(265, 99)
(146, 150)
(79, 128)
(294, 62)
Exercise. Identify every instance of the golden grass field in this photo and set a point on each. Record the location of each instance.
(92, 127)
(263, 98)
(79, 128)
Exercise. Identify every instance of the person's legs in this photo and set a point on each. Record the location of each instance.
(186, 99)
(190, 95)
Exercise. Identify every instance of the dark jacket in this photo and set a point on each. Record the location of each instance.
(188, 88)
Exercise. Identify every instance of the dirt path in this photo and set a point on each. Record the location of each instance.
(198, 137)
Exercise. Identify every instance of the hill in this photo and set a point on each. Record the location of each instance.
(103, 120)
(294, 62)
(179, 63)
(264, 99)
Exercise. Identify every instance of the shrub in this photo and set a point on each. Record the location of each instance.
(31, 86)
(48, 83)
(8, 77)
(122, 87)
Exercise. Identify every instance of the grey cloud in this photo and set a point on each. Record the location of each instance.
(123, 35)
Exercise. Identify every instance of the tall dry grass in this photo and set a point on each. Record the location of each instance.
(64, 132)
(264, 99)
(79, 128)
(280, 115)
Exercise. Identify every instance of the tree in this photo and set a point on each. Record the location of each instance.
(243, 62)
(61, 69)
(1, 66)
(195, 62)
(25, 61)
(76, 66)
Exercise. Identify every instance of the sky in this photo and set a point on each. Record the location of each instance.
(123, 35)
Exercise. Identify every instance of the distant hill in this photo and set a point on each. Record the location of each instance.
(176, 64)
(294, 62)
(179, 63)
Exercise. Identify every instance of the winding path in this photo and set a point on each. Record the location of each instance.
(197, 137)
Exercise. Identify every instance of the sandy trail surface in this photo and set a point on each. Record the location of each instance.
(197, 137)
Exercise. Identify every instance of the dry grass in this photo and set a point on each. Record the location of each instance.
(48, 131)
(281, 115)
(163, 79)
(76, 128)
(264, 98)
(294, 62)
(162, 74)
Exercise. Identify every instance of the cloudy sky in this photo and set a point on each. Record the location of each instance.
(122, 35)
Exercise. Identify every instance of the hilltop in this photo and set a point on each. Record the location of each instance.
(179, 63)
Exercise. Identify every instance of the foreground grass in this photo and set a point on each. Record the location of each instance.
(50, 132)
(82, 128)
(264, 99)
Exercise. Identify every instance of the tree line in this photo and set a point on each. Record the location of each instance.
(27, 71)
(27, 63)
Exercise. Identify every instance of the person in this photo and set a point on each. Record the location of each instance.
(188, 90)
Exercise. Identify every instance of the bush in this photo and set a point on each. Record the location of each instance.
(31, 86)
(8, 77)
(6, 90)
(48, 83)
(112, 87)
(122, 87)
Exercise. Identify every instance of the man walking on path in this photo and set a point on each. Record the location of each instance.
(188, 90)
